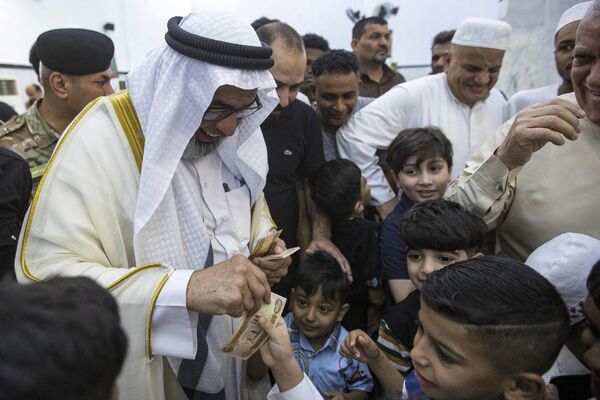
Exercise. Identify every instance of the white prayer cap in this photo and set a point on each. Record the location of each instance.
(483, 32)
(573, 14)
(566, 261)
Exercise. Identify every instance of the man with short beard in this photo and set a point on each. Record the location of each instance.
(166, 232)
(462, 102)
(537, 176)
(564, 42)
(371, 40)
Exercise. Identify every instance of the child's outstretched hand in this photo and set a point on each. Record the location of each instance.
(360, 346)
(278, 348)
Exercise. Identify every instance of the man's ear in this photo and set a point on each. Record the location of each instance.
(354, 45)
(446, 57)
(343, 312)
(60, 85)
(525, 386)
(450, 173)
(359, 207)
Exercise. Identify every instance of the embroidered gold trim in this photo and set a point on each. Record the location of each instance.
(127, 116)
(151, 316)
(24, 267)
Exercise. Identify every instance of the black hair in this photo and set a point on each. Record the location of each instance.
(34, 60)
(593, 284)
(442, 225)
(314, 41)
(322, 271)
(361, 26)
(291, 39)
(443, 37)
(512, 310)
(423, 143)
(335, 62)
(61, 339)
(335, 188)
(257, 23)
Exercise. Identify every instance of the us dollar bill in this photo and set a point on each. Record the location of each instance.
(249, 337)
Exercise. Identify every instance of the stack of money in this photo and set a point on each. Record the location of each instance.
(249, 336)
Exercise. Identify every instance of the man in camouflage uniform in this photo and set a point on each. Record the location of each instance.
(74, 69)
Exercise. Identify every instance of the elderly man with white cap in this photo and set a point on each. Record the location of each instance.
(149, 188)
(462, 102)
(537, 176)
(564, 42)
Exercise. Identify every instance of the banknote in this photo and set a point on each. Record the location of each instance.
(281, 256)
(249, 337)
(265, 244)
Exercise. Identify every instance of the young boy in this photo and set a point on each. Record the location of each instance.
(436, 233)
(421, 159)
(341, 192)
(489, 328)
(318, 304)
(61, 340)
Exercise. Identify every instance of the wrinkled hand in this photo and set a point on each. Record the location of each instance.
(231, 287)
(359, 346)
(551, 121)
(275, 270)
(328, 247)
(385, 208)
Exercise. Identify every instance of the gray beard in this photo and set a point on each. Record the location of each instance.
(196, 149)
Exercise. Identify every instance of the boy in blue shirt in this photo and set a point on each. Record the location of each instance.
(421, 160)
(318, 304)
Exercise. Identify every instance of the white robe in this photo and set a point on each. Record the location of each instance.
(526, 98)
(423, 102)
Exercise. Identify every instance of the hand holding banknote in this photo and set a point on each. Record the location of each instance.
(275, 262)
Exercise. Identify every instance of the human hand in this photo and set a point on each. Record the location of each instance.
(359, 346)
(551, 121)
(231, 287)
(278, 348)
(328, 247)
(274, 270)
(385, 208)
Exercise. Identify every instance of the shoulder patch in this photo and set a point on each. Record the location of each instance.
(12, 125)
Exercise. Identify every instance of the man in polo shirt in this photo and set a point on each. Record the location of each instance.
(371, 39)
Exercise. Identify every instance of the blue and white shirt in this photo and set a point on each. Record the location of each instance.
(326, 368)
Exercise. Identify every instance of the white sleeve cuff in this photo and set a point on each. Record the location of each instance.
(173, 326)
(305, 390)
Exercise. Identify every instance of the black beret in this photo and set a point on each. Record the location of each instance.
(75, 51)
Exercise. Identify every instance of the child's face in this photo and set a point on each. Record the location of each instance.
(450, 363)
(591, 340)
(421, 263)
(426, 181)
(316, 316)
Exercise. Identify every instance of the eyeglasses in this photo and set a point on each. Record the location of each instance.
(220, 113)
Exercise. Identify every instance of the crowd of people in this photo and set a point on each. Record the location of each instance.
(450, 236)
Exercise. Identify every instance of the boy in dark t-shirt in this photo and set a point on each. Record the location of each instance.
(340, 191)
(436, 233)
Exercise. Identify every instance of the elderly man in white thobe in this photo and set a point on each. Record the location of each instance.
(148, 189)
(462, 102)
(564, 42)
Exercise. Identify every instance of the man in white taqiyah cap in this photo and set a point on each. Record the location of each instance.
(566, 261)
(536, 176)
(462, 102)
(155, 185)
(564, 42)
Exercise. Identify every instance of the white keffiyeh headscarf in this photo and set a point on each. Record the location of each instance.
(170, 93)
